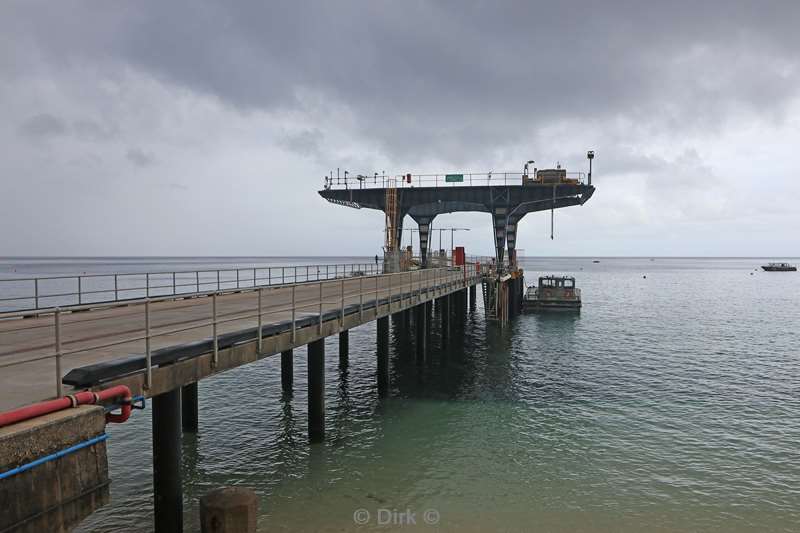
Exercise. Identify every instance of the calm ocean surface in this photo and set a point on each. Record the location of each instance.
(670, 403)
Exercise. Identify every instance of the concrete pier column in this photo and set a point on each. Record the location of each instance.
(344, 347)
(445, 305)
(316, 391)
(473, 295)
(167, 486)
(287, 371)
(189, 408)
(421, 324)
(383, 356)
(229, 510)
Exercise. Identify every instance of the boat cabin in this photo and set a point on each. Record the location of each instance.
(556, 287)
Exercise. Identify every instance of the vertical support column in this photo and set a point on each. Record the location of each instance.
(511, 239)
(344, 347)
(287, 371)
(189, 408)
(383, 356)
(473, 294)
(316, 390)
(167, 486)
(499, 220)
(428, 318)
(421, 323)
(424, 232)
(445, 304)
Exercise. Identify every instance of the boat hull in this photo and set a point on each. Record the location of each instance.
(779, 269)
(551, 305)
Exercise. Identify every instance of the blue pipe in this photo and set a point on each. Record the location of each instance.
(53, 456)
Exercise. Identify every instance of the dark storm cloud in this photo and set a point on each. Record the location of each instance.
(428, 77)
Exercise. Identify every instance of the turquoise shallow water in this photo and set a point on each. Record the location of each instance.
(671, 403)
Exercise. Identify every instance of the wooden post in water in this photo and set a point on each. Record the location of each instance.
(229, 510)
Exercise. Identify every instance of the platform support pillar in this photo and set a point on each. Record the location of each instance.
(167, 486)
(316, 390)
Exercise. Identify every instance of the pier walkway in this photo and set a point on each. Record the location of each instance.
(112, 340)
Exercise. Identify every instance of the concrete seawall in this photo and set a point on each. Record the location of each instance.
(58, 493)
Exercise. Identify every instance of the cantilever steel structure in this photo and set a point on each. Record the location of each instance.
(507, 204)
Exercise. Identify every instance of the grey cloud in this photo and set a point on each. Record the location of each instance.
(43, 126)
(442, 78)
(140, 158)
(306, 142)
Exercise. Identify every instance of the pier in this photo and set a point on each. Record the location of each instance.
(159, 344)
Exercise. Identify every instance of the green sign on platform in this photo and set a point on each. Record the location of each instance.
(452, 178)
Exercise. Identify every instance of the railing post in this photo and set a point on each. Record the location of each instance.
(260, 321)
(148, 382)
(237, 278)
(147, 285)
(79, 290)
(295, 275)
(214, 327)
(377, 295)
(294, 314)
(217, 279)
(283, 276)
(197, 280)
(116, 288)
(320, 308)
(341, 312)
(57, 315)
(174, 291)
(36, 293)
(255, 283)
(361, 298)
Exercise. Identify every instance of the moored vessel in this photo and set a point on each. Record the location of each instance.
(557, 293)
(779, 267)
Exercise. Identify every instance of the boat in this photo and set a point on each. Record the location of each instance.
(556, 293)
(596, 261)
(779, 267)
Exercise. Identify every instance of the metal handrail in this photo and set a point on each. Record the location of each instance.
(442, 278)
(470, 179)
(36, 299)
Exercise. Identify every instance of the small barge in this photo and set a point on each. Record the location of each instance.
(556, 293)
(779, 267)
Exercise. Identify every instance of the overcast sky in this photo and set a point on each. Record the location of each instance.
(205, 128)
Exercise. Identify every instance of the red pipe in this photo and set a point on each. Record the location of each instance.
(73, 400)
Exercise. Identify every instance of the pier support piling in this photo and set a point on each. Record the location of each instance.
(383, 356)
(473, 294)
(287, 371)
(189, 417)
(421, 324)
(167, 486)
(445, 305)
(316, 391)
(344, 347)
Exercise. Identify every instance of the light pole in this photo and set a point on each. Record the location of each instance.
(452, 231)
(590, 156)
(525, 170)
